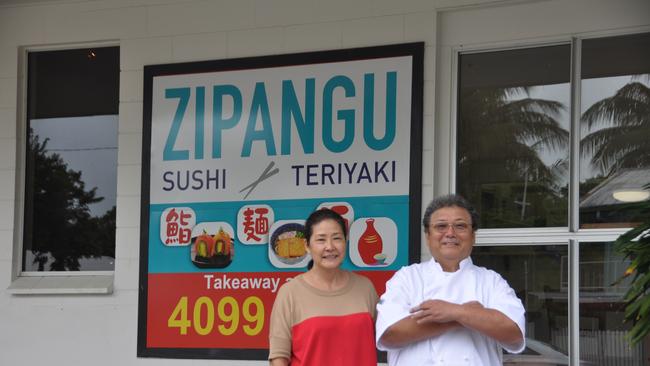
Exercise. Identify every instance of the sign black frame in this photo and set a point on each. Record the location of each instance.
(415, 50)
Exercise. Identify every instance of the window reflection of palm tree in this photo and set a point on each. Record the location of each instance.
(500, 139)
(622, 142)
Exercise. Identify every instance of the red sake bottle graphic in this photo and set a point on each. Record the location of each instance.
(370, 243)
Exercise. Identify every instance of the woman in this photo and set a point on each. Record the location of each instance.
(326, 315)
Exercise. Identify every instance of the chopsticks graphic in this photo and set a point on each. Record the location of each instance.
(266, 174)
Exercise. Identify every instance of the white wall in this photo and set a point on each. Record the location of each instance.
(102, 329)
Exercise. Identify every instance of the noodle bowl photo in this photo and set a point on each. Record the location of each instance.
(288, 243)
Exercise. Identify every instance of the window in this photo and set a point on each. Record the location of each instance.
(536, 273)
(515, 137)
(615, 130)
(71, 160)
(602, 331)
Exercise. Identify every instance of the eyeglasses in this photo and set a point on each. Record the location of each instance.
(459, 227)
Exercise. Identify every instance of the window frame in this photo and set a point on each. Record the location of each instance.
(550, 234)
(54, 282)
(571, 234)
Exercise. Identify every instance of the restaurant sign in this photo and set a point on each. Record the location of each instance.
(237, 153)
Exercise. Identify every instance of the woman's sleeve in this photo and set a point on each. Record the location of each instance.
(371, 297)
(280, 326)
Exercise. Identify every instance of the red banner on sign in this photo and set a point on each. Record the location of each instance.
(218, 310)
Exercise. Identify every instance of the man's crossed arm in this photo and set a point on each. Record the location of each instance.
(435, 317)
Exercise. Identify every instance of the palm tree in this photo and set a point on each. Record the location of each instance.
(500, 140)
(623, 142)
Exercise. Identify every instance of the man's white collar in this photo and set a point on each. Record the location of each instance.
(463, 264)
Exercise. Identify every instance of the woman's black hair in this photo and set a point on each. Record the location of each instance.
(319, 216)
(323, 214)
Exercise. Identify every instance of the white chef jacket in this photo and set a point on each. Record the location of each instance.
(412, 285)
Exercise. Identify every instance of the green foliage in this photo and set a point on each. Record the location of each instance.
(62, 227)
(635, 244)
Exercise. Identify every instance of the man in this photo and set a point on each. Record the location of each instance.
(447, 311)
